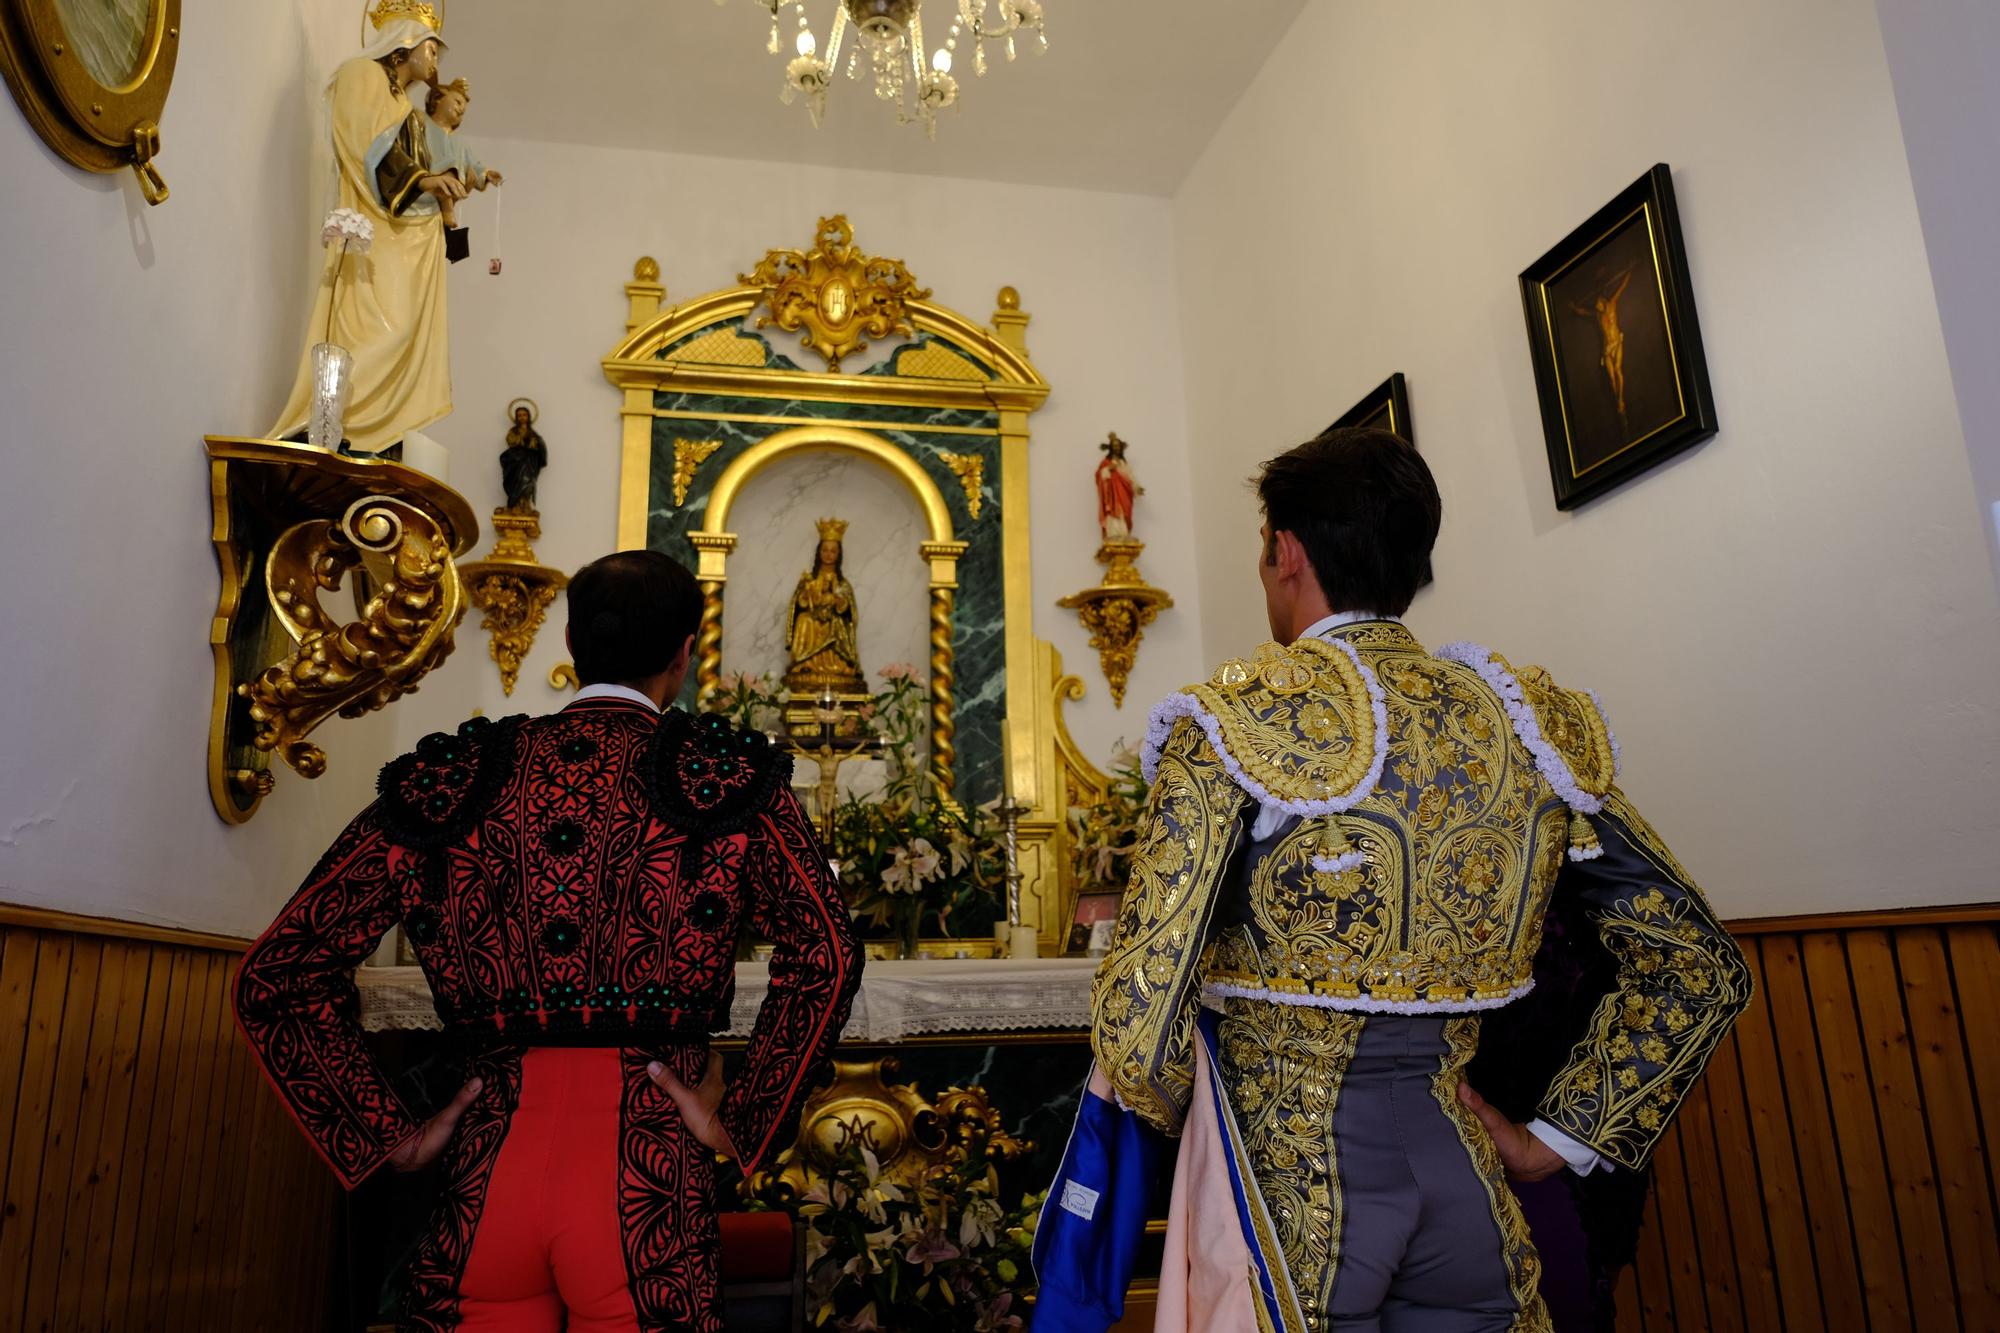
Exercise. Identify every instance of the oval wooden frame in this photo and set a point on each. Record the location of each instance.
(98, 127)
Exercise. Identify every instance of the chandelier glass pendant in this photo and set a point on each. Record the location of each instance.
(889, 40)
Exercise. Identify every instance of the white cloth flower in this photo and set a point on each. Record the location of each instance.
(344, 226)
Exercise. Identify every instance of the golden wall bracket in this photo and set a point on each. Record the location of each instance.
(513, 589)
(1117, 611)
(291, 522)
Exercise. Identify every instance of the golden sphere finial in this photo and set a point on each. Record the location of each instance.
(1009, 299)
(647, 269)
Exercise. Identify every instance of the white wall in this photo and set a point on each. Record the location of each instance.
(1794, 626)
(1942, 54)
(1094, 272)
(133, 332)
(130, 333)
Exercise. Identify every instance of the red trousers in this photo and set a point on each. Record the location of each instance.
(547, 1255)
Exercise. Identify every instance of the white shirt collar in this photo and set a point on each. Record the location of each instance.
(1328, 624)
(609, 691)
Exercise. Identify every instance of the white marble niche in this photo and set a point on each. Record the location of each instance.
(775, 519)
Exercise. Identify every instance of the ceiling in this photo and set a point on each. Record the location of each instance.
(1125, 99)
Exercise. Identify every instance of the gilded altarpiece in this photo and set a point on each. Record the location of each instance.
(940, 400)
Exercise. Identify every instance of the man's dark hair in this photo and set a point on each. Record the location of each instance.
(1364, 506)
(629, 614)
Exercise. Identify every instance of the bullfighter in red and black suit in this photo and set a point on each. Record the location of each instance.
(574, 886)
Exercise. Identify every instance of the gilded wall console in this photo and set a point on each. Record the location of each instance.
(93, 79)
(1117, 611)
(291, 522)
(513, 589)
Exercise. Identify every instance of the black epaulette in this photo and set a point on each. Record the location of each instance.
(432, 796)
(711, 777)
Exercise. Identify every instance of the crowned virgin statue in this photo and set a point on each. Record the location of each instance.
(821, 628)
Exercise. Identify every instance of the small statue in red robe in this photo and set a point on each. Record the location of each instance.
(1116, 488)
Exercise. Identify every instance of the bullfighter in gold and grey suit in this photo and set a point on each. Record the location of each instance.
(1352, 844)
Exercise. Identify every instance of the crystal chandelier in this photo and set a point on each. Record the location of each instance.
(889, 37)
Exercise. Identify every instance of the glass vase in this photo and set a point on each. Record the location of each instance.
(909, 926)
(333, 381)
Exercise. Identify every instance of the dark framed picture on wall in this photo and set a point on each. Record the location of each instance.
(1617, 349)
(1386, 407)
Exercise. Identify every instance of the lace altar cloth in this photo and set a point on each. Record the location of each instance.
(897, 999)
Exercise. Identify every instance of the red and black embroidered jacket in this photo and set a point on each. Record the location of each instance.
(580, 878)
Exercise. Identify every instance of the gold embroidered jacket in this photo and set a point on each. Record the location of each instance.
(1424, 808)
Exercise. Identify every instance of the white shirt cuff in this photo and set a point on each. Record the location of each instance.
(1581, 1158)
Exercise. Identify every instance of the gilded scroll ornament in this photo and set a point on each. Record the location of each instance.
(689, 455)
(970, 469)
(403, 632)
(289, 520)
(1117, 611)
(835, 294)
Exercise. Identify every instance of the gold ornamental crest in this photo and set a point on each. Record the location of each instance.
(836, 294)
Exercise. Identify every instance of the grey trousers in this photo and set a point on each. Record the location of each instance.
(1421, 1248)
(1389, 1197)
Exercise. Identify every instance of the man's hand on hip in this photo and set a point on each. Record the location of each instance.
(698, 1105)
(1525, 1156)
(423, 1147)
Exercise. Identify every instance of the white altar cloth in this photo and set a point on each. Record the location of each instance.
(897, 999)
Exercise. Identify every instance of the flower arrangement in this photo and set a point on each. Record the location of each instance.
(355, 233)
(909, 854)
(941, 1254)
(915, 854)
(756, 703)
(1102, 837)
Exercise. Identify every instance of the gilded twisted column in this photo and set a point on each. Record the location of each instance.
(712, 556)
(944, 677)
(943, 557)
(708, 643)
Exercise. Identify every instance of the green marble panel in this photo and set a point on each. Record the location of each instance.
(979, 622)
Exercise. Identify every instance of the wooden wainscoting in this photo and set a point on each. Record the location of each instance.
(1834, 1169)
(151, 1179)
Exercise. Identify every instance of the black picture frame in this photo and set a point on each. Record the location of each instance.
(1624, 389)
(1385, 407)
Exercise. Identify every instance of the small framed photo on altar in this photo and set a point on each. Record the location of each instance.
(1617, 349)
(1386, 407)
(1092, 909)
